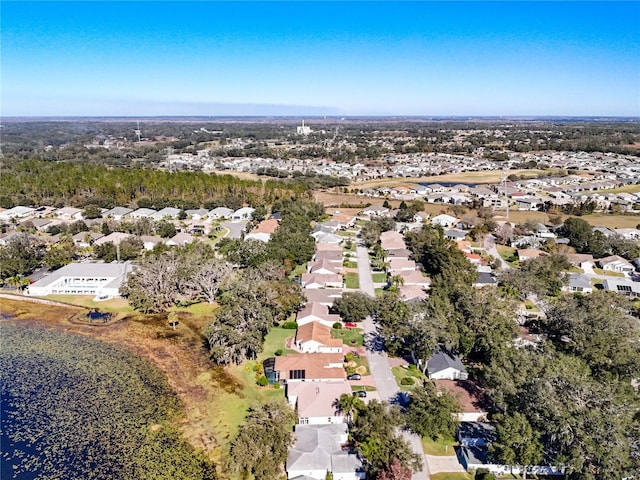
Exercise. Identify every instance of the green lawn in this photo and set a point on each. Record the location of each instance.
(275, 340)
(238, 388)
(451, 476)
(401, 372)
(360, 362)
(576, 270)
(443, 447)
(349, 264)
(366, 388)
(599, 271)
(298, 271)
(350, 336)
(379, 292)
(351, 280)
(379, 277)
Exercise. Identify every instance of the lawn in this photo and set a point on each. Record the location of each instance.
(608, 273)
(298, 271)
(443, 447)
(275, 340)
(349, 264)
(379, 277)
(115, 305)
(237, 388)
(351, 280)
(401, 372)
(360, 365)
(507, 254)
(451, 476)
(350, 336)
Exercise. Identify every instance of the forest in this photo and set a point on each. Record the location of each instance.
(109, 413)
(37, 182)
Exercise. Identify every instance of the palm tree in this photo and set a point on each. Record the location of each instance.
(350, 405)
(396, 282)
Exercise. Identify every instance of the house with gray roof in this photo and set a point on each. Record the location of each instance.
(579, 283)
(442, 366)
(102, 280)
(318, 450)
(168, 212)
(143, 213)
(117, 213)
(220, 212)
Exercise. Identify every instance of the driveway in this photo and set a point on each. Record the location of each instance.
(235, 228)
(439, 464)
(364, 271)
(490, 247)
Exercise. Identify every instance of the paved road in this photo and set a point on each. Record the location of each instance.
(379, 362)
(490, 247)
(235, 228)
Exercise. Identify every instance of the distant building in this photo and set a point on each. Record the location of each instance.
(303, 130)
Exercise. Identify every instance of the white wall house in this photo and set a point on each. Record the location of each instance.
(103, 280)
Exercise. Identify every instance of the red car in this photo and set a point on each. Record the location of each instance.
(350, 325)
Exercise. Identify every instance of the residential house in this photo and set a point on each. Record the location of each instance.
(444, 220)
(143, 213)
(244, 213)
(69, 213)
(117, 213)
(318, 451)
(309, 367)
(414, 278)
(325, 237)
(197, 214)
(455, 234)
(114, 237)
(316, 312)
(578, 283)
(16, 212)
(180, 239)
(529, 253)
(398, 253)
(150, 241)
(263, 231)
(166, 213)
(103, 280)
(220, 213)
(441, 365)
(623, 286)
(616, 263)
(392, 240)
(325, 267)
(314, 337)
(315, 402)
(473, 400)
(397, 265)
(317, 280)
(322, 296)
(412, 293)
(581, 260)
(375, 211)
(86, 239)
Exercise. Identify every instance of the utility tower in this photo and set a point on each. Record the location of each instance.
(138, 132)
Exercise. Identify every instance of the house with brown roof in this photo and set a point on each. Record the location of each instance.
(263, 231)
(392, 240)
(616, 263)
(415, 278)
(310, 367)
(325, 267)
(314, 337)
(322, 296)
(397, 265)
(529, 253)
(473, 400)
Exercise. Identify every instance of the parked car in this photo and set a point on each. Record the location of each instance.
(350, 325)
(354, 376)
(360, 393)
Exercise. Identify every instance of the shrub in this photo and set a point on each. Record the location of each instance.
(337, 325)
(263, 381)
(290, 325)
(349, 357)
(407, 381)
(278, 352)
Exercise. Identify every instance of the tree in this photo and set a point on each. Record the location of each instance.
(60, 254)
(375, 439)
(599, 329)
(91, 211)
(165, 229)
(208, 278)
(579, 232)
(354, 306)
(516, 444)
(395, 471)
(349, 404)
(431, 413)
(544, 275)
(259, 213)
(262, 443)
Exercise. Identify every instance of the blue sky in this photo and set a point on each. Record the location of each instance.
(316, 58)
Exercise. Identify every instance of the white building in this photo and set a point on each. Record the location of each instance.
(103, 280)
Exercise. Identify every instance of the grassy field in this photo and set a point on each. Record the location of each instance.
(350, 336)
(351, 280)
(608, 273)
(349, 264)
(451, 476)
(507, 254)
(442, 447)
(379, 277)
(400, 372)
(115, 305)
